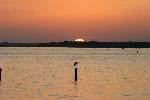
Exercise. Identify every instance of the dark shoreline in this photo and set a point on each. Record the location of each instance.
(90, 44)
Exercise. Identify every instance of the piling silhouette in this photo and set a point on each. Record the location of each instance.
(0, 73)
(76, 71)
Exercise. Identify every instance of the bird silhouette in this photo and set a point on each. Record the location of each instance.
(76, 63)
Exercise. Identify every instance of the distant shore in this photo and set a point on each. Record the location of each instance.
(90, 44)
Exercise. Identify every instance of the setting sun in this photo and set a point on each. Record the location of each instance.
(79, 40)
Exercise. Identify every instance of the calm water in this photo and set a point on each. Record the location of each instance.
(48, 74)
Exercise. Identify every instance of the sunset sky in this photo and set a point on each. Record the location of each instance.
(59, 20)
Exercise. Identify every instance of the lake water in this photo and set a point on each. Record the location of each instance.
(48, 74)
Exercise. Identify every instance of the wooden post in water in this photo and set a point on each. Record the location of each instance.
(76, 71)
(76, 74)
(0, 73)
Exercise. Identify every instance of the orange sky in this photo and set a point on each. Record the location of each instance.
(55, 20)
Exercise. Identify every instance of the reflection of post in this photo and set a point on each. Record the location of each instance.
(0, 73)
(76, 71)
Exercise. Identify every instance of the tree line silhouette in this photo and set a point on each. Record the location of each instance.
(86, 44)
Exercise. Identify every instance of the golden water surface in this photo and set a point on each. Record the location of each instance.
(48, 74)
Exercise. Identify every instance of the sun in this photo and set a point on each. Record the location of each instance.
(79, 40)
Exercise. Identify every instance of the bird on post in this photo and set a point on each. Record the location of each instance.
(75, 69)
(76, 63)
